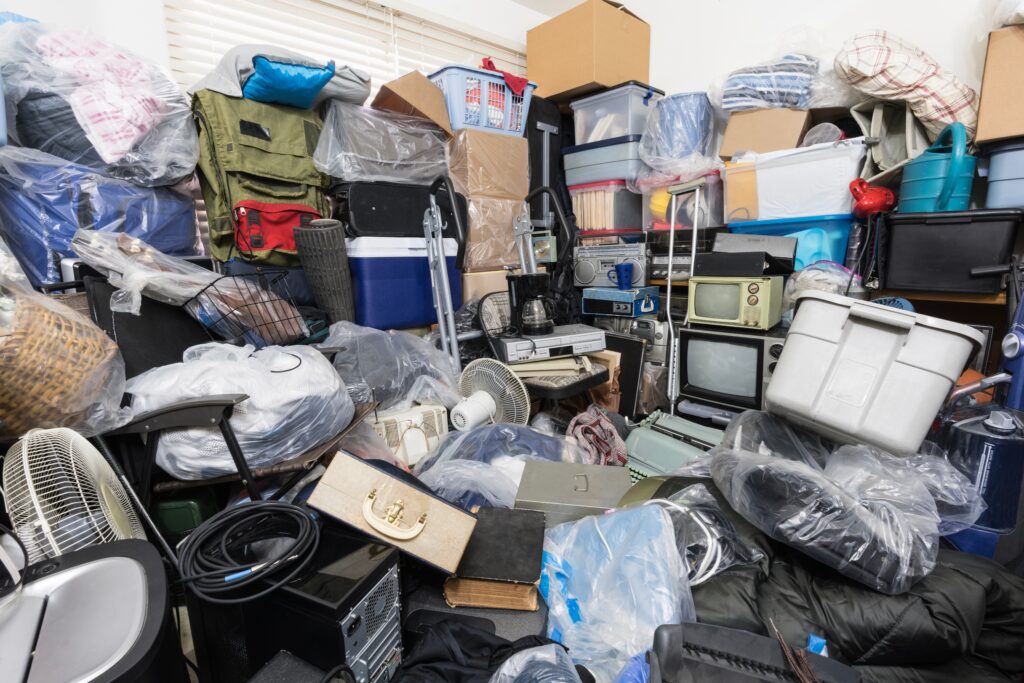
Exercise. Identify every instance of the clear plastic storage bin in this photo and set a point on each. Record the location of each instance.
(657, 206)
(614, 113)
(606, 205)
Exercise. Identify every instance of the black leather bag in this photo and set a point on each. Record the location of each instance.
(382, 209)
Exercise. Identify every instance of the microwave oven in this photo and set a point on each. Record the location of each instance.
(748, 302)
(726, 368)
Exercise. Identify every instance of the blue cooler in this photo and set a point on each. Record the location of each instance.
(818, 238)
(391, 281)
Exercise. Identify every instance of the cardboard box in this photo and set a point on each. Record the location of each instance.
(491, 242)
(1001, 112)
(741, 192)
(415, 95)
(771, 130)
(595, 45)
(483, 164)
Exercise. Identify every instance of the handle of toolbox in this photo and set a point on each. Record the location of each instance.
(389, 523)
(893, 318)
(460, 230)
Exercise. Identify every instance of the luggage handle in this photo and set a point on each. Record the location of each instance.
(955, 136)
(891, 318)
(389, 524)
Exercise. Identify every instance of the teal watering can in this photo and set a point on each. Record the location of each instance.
(940, 178)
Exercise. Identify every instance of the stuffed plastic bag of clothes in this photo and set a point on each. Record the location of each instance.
(79, 98)
(485, 465)
(609, 581)
(296, 401)
(544, 664)
(393, 368)
(867, 514)
(234, 307)
(44, 200)
(677, 141)
(57, 368)
(364, 144)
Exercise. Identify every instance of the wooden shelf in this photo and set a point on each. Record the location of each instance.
(998, 299)
(663, 283)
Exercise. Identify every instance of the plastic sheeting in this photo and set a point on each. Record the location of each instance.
(57, 368)
(490, 242)
(295, 403)
(483, 164)
(867, 514)
(73, 95)
(823, 276)
(678, 141)
(544, 664)
(364, 144)
(44, 200)
(393, 368)
(609, 582)
(485, 465)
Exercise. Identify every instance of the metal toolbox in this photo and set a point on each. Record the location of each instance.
(565, 492)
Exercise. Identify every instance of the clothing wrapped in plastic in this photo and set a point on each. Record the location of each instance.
(544, 664)
(72, 95)
(234, 307)
(484, 466)
(364, 144)
(609, 582)
(873, 517)
(44, 200)
(57, 368)
(295, 402)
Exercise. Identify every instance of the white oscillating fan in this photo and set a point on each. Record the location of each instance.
(493, 393)
(61, 495)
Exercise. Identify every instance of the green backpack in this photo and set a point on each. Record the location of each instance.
(257, 176)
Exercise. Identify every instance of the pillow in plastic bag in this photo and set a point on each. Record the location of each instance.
(296, 402)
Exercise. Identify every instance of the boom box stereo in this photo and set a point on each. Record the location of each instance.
(595, 265)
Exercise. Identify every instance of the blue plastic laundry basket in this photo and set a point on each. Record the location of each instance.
(477, 98)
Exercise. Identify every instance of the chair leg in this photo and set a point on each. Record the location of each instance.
(236, 454)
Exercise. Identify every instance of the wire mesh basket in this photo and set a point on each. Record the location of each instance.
(249, 308)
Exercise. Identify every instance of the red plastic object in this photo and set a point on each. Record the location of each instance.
(869, 200)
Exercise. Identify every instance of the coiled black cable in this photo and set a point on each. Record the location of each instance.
(218, 561)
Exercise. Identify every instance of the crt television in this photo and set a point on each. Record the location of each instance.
(726, 368)
(745, 302)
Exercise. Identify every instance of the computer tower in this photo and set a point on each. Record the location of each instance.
(344, 608)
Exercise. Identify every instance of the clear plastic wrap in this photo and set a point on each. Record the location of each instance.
(657, 204)
(653, 388)
(708, 541)
(786, 82)
(678, 140)
(490, 242)
(609, 581)
(44, 199)
(544, 664)
(363, 442)
(75, 96)
(596, 433)
(364, 144)
(1008, 13)
(637, 670)
(230, 306)
(485, 164)
(485, 465)
(822, 276)
(57, 368)
(868, 514)
(296, 401)
(395, 369)
(886, 67)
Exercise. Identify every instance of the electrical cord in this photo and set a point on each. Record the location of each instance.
(710, 562)
(349, 675)
(8, 563)
(217, 560)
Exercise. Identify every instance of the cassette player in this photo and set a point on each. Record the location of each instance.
(628, 303)
(680, 270)
(566, 340)
(595, 265)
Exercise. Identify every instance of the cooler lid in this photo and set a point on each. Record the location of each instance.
(394, 247)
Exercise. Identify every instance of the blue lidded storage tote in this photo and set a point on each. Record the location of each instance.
(818, 238)
(1006, 175)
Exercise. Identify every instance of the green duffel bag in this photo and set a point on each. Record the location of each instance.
(257, 176)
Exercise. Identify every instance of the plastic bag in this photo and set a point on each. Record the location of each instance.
(296, 401)
(44, 200)
(653, 388)
(490, 242)
(544, 664)
(709, 543)
(609, 581)
(637, 670)
(786, 82)
(77, 97)
(363, 442)
(393, 368)
(57, 368)
(866, 513)
(364, 144)
(233, 307)
(1008, 13)
(485, 465)
(822, 276)
(677, 140)
(884, 66)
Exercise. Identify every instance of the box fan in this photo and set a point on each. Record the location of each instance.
(413, 433)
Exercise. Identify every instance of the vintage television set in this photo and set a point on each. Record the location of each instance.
(726, 368)
(746, 302)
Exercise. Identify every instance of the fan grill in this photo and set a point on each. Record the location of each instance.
(497, 379)
(62, 496)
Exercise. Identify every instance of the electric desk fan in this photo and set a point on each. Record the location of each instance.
(493, 393)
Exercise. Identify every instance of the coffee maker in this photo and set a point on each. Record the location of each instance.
(527, 298)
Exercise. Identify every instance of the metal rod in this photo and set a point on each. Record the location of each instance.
(433, 233)
(672, 388)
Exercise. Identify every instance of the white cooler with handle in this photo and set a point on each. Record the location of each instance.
(857, 372)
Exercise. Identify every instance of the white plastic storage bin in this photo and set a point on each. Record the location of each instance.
(857, 372)
(614, 113)
(391, 281)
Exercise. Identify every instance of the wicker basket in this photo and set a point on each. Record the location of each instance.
(54, 367)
